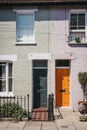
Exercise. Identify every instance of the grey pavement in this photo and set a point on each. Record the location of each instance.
(12, 125)
(68, 121)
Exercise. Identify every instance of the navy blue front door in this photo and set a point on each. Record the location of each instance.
(39, 87)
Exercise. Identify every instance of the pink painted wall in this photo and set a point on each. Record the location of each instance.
(61, 50)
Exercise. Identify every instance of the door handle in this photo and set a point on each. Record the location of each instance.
(62, 90)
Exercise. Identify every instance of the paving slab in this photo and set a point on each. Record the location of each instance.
(4, 124)
(16, 125)
(49, 126)
(33, 125)
(80, 125)
(64, 124)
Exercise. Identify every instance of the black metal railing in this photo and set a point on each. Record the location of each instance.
(14, 107)
(77, 39)
(51, 107)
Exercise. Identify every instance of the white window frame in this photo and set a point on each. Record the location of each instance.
(76, 30)
(78, 11)
(26, 11)
(7, 93)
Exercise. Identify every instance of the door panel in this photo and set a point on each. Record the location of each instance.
(62, 87)
(40, 88)
(36, 89)
(43, 90)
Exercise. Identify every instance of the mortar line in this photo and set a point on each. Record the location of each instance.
(7, 125)
(25, 125)
(74, 125)
(56, 125)
(41, 125)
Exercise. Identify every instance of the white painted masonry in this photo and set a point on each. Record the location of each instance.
(40, 56)
(61, 50)
(8, 58)
(51, 44)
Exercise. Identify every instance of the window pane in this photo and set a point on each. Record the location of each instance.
(10, 70)
(73, 28)
(62, 63)
(25, 30)
(21, 34)
(40, 63)
(10, 78)
(2, 71)
(81, 21)
(26, 34)
(3, 79)
(73, 21)
(29, 32)
(10, 84)
(79, 27)
(2, 85)
(25, 20)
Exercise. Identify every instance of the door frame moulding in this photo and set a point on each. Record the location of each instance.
(40, 67)
(39, 56)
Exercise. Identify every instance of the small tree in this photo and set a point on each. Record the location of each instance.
(82, 77)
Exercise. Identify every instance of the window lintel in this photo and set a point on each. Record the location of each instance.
(77, 11)
(25, 11)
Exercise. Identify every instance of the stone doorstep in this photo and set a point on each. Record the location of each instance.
(40, 114)
(40, 109)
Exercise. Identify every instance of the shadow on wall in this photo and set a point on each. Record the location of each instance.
(10, 14)
(7, 15)
(42, 14)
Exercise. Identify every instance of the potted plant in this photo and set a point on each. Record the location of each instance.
(82, 77)
(77, 39)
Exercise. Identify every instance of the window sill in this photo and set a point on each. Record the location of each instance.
(4, 94)
(80, 30)
(77, 43)
(25, 43)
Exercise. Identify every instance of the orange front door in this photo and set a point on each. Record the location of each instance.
(62, 87)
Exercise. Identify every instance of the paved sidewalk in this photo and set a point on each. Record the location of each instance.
(67, 121)
(31, 125)
(40, 126)
(10, 125)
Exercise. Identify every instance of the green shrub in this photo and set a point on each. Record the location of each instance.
(77, 39)
(82, 77)
(12, 110)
